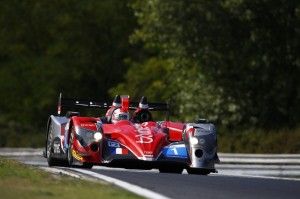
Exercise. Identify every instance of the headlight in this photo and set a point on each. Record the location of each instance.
(194, 140)
(86, 136)
(97, 136)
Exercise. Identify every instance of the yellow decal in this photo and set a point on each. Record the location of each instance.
(76, 155)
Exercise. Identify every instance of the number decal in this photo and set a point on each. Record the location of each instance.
(144, 136)
(144, 139)
(174, 150)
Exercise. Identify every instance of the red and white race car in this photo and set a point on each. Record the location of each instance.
(128, 136)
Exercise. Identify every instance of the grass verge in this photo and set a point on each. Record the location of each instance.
(22, 181)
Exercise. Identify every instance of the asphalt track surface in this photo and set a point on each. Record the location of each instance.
(194, 186)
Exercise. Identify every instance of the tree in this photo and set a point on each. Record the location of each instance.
(51, 46)
(246, 52)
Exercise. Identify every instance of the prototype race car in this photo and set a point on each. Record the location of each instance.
(136, 142)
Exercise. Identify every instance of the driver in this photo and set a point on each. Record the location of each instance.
(119, 114)
(115, 105)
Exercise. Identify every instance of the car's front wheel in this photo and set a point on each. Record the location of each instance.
(171, 170)
(198, 171)
(87, 165)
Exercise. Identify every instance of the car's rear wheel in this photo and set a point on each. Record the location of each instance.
(170, 170)
(51, 161)
(49, 149)
(198, 171)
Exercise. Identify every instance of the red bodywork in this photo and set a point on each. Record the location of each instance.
(144, 140)
(85, 153)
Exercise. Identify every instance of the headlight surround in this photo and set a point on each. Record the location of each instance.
(86, 136)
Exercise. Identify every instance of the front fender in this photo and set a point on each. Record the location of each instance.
(201, 141)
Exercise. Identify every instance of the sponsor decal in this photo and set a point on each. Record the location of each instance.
(121, 151)
(148, 152)
(87, 125)
(175, 151)
(144, 135)
(76, 155)
(113, 144)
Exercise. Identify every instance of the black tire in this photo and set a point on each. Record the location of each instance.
(51, 161)
(69, 152)
(87, 165)
(49, 149)
(197, 171)
(171, 170)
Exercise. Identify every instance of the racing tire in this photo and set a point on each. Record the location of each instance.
(197, 171)
(177, 170)
(87, 165)
(49, 150)
(51, 161)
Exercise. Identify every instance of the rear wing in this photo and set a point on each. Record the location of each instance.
(155, 106)
(73, 103)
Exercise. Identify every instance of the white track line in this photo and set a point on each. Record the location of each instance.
(125, 185)
(34, 153)
(254, 176)
(59, 171)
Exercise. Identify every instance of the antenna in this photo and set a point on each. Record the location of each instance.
(59, 104)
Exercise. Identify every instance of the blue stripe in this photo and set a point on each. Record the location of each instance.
(173, 151)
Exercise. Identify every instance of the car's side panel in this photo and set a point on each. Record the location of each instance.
(57, 130)
(175, 152)
(175, 130)
(59, 124)
(201, 142)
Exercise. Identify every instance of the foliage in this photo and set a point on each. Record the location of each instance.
(235, 62)
(21, 181)
(51, 46)
(150, 79)
(246, 52)
(260, 141)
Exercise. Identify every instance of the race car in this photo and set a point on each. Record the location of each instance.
(121, 140)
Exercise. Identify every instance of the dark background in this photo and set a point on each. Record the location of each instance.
(233, 62)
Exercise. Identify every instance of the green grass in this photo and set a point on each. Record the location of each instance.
(22, 181)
